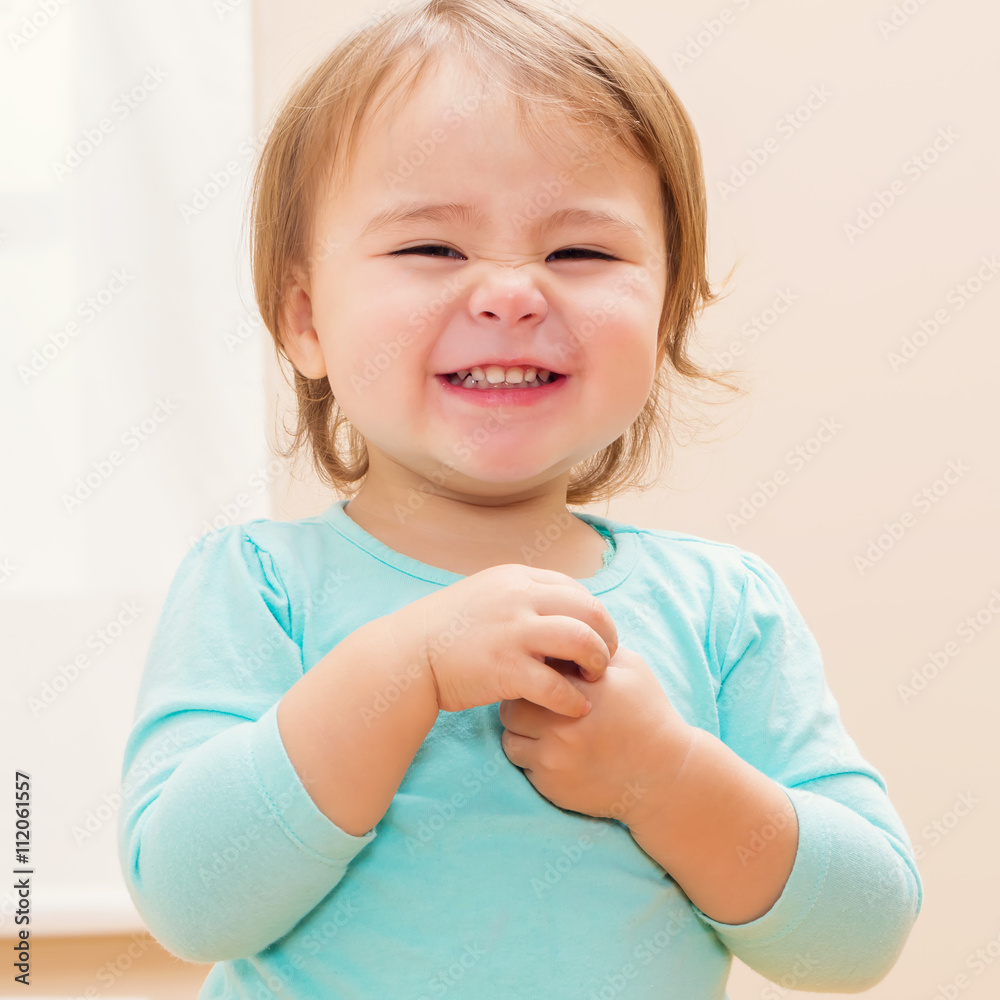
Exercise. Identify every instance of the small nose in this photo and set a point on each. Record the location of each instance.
(509, 294)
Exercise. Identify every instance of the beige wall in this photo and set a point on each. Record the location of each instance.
(890, 92)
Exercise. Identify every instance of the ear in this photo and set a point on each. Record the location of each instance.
(298, 335)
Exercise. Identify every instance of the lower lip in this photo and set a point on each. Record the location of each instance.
(504, 397)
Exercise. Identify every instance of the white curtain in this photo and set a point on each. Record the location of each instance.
(131, 388)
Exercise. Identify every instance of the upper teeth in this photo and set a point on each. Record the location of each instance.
(495, 374)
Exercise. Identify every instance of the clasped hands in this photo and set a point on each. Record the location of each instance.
(619, 759)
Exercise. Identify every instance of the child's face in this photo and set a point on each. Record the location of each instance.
(384, 326)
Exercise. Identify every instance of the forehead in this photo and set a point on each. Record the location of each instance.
(450, 97)
(457, 129)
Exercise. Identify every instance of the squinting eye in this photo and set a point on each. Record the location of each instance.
(592, 253)
(409, 250)
(429, 247)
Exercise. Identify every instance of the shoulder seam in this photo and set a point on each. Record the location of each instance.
(737, 621)
(261, 551)
(243, 526)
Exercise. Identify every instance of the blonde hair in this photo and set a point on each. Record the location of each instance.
(549, 57)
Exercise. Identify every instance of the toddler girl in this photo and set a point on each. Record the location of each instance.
(446, 737)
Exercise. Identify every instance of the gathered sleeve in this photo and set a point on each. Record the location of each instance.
(222, 848)
(854, 891)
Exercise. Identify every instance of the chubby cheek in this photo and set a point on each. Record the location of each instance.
(623, 366)
(379, 383)
(369, 348)
(369, 380)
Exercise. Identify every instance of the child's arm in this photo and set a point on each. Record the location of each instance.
(223, 848)
(853, 892)
(333, 714)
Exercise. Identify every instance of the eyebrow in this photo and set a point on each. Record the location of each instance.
(448, 211)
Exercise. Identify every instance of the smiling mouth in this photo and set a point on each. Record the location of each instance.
(467, 380)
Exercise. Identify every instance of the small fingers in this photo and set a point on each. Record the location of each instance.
(597, 642)
(588, 668)
(551, 690)
(594, 669)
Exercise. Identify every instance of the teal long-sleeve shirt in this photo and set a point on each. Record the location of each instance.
(473, 884)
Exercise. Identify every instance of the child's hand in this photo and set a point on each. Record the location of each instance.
(487, 636)
(615, 761)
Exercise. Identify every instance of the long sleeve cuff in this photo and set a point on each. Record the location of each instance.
(290, 803)
(233, 825)
(845, 912)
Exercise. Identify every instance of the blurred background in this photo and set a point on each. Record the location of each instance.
(851, 155)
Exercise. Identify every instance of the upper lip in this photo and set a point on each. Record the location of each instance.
(504, 364)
